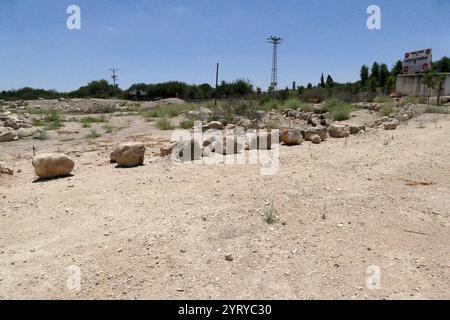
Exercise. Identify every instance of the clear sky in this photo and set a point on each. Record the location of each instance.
(160, 40)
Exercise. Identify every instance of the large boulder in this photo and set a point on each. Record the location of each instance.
(128, 154)
(188, 150)
(291, 137)
(28, 132)
(52, 165)
(7, 134)
(339, 131)
(319, 130)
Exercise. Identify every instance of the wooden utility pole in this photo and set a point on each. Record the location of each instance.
(217, 84)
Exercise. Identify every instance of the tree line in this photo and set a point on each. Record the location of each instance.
(379, 78)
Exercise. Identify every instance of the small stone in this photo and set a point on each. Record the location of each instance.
(229, 257)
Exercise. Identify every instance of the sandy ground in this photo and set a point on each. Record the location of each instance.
(163, 230)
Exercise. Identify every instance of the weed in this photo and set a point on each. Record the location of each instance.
(164, 124)
(41, 136)
(270, 215)
(93, 134)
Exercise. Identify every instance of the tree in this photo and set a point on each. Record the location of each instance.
(322, 81)
(397, 68)
(309, 86)
(364, 74)
(442, 65)
(440, 81)
(391, 84)
(383, 75)
(330, 82)
(429, 80)
(373, 84)
(375, 71)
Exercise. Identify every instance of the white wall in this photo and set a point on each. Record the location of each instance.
(411, 85)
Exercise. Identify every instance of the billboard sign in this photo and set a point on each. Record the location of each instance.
(417, 62)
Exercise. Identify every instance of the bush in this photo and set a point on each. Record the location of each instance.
(187, 124)
(437, 110)
(387, 110)
(88, 121)
(51, 121)
(164, 124)
(338, 111)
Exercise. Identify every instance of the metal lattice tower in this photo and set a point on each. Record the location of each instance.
(114, 76)
(275, 41)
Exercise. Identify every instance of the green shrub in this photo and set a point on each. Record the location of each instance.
(51, 121)
(383, 99)
(164, 124)
(437, 109)
(187, 124)
(387, 110)
(338, 110)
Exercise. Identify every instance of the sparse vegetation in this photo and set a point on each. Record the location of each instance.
(108, 128)
(93, 134)
(437, 109)
(387, 110)
(87, 122)
(187, 124)
(41, 136)
(270, 215)
(164, 124)
(338, 110)
(52, 121)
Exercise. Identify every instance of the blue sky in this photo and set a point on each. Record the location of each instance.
(160, 40)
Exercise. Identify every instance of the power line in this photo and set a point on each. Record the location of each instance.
(114, 76)
(275, 41)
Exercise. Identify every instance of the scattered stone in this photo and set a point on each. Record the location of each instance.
(339, 131)
(316, 139)
(7, 134)
(258, 141)
(215, 125)
(292, 137)
(391, 125)
(7, 171)
(52, 165)
(128, 154)
(355, 129)
(319, 130)
(167, 150)
(189, 150)
(229, 257)
(230, 145)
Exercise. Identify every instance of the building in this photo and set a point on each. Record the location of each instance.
(412, 85)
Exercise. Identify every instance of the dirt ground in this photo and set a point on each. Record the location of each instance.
(162, 230)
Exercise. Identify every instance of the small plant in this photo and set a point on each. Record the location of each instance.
(108, 128)
(51, 121)
(437, 109)
(387, 141)
(187, 124)
(387, 110)
(421, 125)
(164, 124)
(41, 136)
(88, 121)
(270, 215)
(93, 134)
(338, 111)
(383, 99)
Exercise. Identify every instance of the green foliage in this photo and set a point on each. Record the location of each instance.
(388, 109)
(187, 124)
(97, 89)
(167, 111)
(270, 215)
(108, 128)
(338, 110)
(87, 122)
(383, 99)
(93, 134)
(364, 75)
(437, 110)
(51, 121)
(164, 124)
(41, 136)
